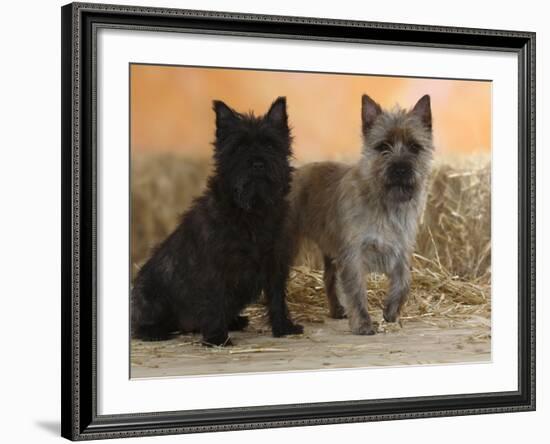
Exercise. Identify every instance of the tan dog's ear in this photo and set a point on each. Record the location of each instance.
(369, 112)
(423, 110)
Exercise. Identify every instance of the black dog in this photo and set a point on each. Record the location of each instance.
(229, 245)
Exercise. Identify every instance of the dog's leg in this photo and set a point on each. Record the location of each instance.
(214, 328)
(152, 317)
(238, 323)
(152, 333)
(330, 277)
(275, 292)
(400, 281)
(352, 277)
(215, 335)
(281, 324)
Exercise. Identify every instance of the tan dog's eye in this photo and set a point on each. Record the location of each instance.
(382, 148)
(415, 148)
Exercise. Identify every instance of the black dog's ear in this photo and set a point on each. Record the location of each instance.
(423, 110)
(224, 114)
(369, 112)
(277, 113)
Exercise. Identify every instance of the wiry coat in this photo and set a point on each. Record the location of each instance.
(227, 248)
(364, 217)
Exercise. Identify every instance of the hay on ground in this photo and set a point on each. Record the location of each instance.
(434, 294)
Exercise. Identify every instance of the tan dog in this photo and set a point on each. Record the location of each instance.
(364, 217)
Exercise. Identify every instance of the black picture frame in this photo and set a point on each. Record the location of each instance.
(78, 333)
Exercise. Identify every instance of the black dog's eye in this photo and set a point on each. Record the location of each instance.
(415, 148)
(383, 147)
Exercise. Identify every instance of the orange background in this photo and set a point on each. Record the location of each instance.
(171, 108)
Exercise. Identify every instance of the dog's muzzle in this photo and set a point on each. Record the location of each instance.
(400, 181)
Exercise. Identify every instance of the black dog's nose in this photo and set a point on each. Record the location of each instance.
(257, 165)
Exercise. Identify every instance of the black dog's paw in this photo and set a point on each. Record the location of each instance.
(152, 335)
(155, 338)
(287, 328)
(239, 323)
(221, 340)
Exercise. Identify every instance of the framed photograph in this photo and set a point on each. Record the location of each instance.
(280, 221)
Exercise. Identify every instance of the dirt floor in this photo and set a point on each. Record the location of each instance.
(324, 345)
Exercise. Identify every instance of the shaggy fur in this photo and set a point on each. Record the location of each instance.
(364, 217)
(227, 248)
